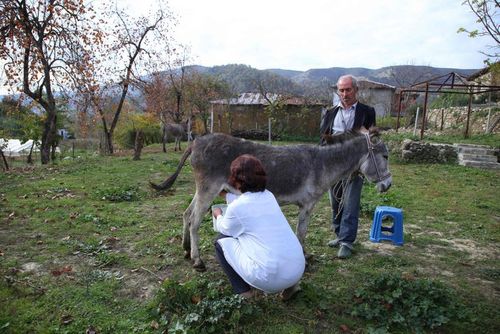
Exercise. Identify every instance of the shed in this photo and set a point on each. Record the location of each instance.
(297, 116)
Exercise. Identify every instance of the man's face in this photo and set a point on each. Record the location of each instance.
(346, 92)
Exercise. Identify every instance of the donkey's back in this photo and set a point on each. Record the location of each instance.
(289, 168)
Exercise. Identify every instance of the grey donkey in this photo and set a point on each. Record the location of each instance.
(296, 174)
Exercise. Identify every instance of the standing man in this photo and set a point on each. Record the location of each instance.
(345, 196)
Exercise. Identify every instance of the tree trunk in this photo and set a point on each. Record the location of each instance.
(106, 142)
(164, 139)
(29, 160)
(139, 144)
(5, 165)
(49, 135)
(53, 150)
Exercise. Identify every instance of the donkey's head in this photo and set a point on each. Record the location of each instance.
(375, 165)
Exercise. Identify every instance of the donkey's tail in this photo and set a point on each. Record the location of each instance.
(170, 181)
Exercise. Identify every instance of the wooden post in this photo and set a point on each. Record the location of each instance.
(466, 133)
(442, 120)
(489, 114)
(424, 113)
(399, 110)
(212, 120)
(269, 129)
(416, 121)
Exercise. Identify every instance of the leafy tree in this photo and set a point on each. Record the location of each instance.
(487, 16)
(11, 112)
(134, 45)
(202, 89)
(45, 46)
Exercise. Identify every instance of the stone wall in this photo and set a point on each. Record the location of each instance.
(456, 118)
(415, 151)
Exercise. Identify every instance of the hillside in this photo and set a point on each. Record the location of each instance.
(314, 83)
(317, 82)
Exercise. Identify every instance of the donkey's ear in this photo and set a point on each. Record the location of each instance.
(374, 135)
(374, 131)
(363, 130)
(327, 138)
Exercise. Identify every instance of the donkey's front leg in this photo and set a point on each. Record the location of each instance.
(186, 238)
(198, 264)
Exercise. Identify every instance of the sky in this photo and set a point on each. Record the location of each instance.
(311, 34)
(307, 34)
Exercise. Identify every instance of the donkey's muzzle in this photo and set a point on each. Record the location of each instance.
(384, 185)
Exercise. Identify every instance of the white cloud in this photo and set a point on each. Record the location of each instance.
(301, 35)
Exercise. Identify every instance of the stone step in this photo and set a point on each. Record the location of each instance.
(477, 157)
(480, 164)
(475, 150)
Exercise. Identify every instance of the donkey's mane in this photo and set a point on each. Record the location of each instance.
(346, 136)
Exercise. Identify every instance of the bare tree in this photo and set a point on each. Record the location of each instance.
(487, 16)
(177, 77)
(45, 46)
(134, 44)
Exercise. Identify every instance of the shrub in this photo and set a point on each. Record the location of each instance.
(126, 132)
(393, 300)
(199, 306)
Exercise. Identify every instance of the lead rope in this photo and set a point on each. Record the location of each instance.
(372, 155)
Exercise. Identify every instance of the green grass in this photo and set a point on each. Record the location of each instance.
(86, 244)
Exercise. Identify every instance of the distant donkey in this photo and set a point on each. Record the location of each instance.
(178, 131)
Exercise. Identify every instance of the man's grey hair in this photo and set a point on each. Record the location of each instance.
(353, 79)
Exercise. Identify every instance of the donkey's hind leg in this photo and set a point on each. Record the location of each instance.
(197, 209)
(186, 218)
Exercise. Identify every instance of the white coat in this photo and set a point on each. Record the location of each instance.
(262, 248)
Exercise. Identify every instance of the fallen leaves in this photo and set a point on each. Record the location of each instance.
(63, 270)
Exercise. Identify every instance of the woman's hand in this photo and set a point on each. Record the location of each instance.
(217, 212)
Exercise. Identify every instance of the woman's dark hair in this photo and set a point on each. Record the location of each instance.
(247, 174)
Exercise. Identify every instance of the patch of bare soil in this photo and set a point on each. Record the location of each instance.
(142, 283)
(383, 248)
(474, 251)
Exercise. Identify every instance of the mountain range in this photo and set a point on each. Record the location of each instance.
(318, 82)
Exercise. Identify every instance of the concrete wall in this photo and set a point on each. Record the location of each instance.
(380, 99)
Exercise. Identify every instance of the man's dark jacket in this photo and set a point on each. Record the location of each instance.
(364, 116)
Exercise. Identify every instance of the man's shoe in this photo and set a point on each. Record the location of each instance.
(334, 243)
(344, 252)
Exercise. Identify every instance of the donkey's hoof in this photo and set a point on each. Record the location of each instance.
(187, 254)
(199, 266)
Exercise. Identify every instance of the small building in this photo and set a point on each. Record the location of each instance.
(296, 116)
